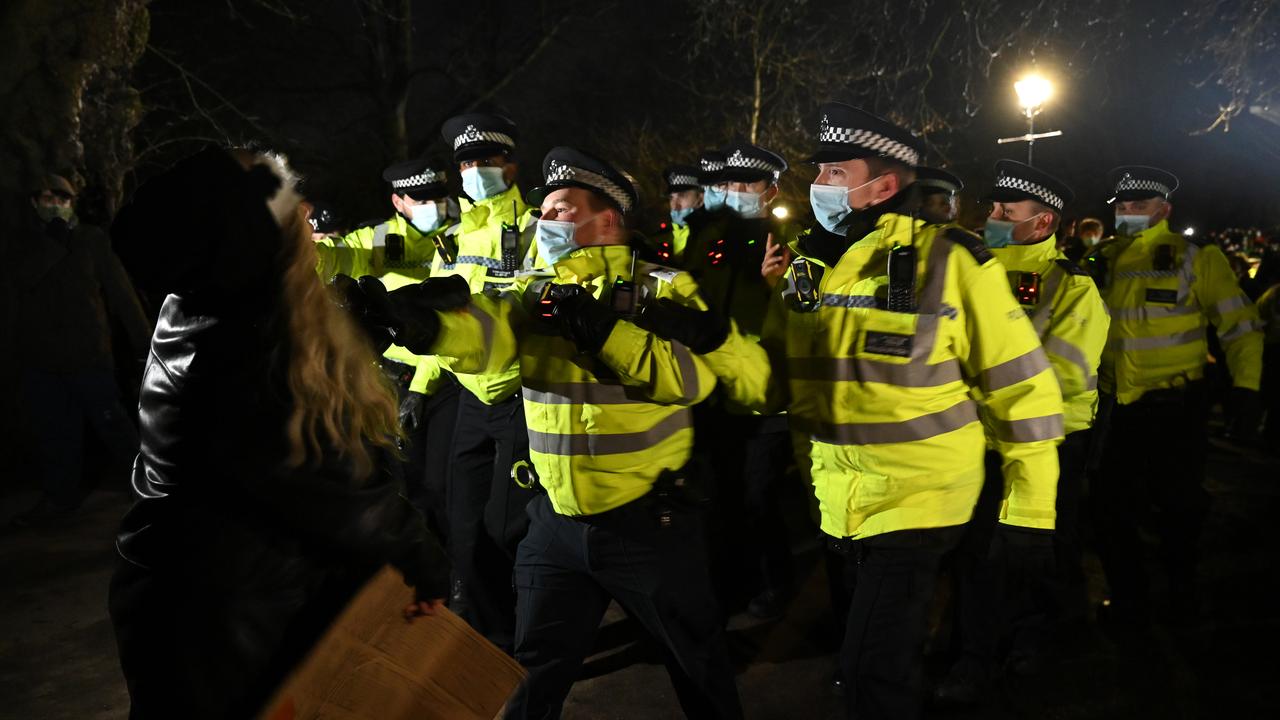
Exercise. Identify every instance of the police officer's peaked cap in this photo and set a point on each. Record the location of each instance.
(1140, 182)
(419, 179)
(744, 162)
(710, 165)
(566, 167)
(479, 135)
(680, 178)
(324, 217)
(1018, 181)
(936, 180)
(848, 133)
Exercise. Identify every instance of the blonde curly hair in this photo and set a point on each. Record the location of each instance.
(342, 403)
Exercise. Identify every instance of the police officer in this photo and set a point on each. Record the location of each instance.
(1069, 316)
(486, 509)
(939, 194)
(684, 195)
(610, 428)
(888, 338)
(1164, 289)
(403, 242)
(749, 452)
(710, 164)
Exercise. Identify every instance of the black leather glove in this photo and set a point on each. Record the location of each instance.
(1246, 415)
(581, 318)
(702, 331)
(412, 408)
(350, 295)
(436, 293)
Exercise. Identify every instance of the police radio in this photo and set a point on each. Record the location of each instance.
(509, 242)
(1026, 288)
(805, 277)
(1163, 260)
(624, 299)
(902, 279)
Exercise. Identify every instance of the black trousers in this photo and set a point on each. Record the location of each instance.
(748, 457)
(889, 580)
(435, 438)
(487, 511)
(1153, 470)
(1003, 603)
(568, 569)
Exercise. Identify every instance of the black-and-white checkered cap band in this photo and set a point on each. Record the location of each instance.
(426, 177)
(472, 135)
(1129, 182)
(738, 160)
(682, 180)
(1041, 193)
(711, 165)
(559, 172)
(875, 142)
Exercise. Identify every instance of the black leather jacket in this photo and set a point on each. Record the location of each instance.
(212, 489)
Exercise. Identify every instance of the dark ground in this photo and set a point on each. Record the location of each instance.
(57, 653)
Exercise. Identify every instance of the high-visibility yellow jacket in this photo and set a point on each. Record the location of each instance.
(1163, 290)
(1269, 312)
(377, 249)
(479, 261)
(1069, 316)
(603, 428)
(669, 243)
(890, 400)
(733, 284)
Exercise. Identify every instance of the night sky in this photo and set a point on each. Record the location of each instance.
(612, 77)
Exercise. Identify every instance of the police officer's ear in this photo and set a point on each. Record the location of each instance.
(769, 194)
(1162, 213)
(885, 187)
(397, 201)
(509, 169)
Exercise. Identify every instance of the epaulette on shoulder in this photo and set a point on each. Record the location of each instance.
(978, 249)
(1070, 267)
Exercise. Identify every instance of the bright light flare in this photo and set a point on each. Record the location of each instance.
(1189, 231)
(1033, 91)
(781, 212)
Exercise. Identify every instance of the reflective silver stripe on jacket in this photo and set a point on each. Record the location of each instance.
(911, 374)
(564, 445)
(919, 428)
(1159, 341)
(1029, 429)
(1011, 372)
(1075, 356)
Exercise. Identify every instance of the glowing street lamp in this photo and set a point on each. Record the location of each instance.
(1033, 91)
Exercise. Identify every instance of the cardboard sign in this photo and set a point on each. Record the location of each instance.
(373, 665)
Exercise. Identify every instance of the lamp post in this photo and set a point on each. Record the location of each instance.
(1033, 90)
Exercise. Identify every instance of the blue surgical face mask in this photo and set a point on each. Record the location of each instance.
(555, 239)
(1132, 224)
(999, 233)
(480, 183)
(830, 203)
(427, 217)
(680, 216)
(712, 197)
(746, 204)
